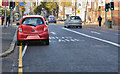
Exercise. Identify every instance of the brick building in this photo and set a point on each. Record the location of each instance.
(100, 10)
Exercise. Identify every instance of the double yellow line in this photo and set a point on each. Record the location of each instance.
(20, 66)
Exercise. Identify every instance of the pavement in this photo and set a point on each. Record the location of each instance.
(114, 27)
(8, 41)
(96, 26)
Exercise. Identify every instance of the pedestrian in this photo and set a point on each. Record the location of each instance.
(100, 20)
(89, 19)
(2, 19)
(8, 20)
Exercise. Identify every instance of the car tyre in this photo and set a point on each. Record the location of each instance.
(46, 42)
(65, 27)
(80, 26)
(18, 43)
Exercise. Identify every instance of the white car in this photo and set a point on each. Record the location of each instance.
(73, 21)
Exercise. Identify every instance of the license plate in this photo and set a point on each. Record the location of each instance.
(33, 37)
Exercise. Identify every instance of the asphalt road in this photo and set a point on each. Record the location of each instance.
(70, 50)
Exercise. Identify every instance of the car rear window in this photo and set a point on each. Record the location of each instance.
(75, 18)
(33, 21)
(52, 17)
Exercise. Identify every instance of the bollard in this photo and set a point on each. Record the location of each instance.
(110, 24)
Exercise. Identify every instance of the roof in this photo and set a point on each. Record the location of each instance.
(32, 16)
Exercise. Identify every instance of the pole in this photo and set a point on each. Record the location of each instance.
(105, 16)
(75, 7)
(119, 13)
(85, 13)
(11, 15)
(5, 15)
(112, 16)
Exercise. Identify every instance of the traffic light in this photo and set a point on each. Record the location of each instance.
(107, 6)
(11, 5)
(112, 5)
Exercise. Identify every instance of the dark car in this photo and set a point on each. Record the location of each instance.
(51, 19)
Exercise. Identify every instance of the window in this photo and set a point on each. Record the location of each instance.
(75, 18)
(33, 21)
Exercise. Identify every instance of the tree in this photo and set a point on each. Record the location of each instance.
(51, 6)
(35, 9)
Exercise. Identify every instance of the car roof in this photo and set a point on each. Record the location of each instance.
(32, 16)
(51, 16)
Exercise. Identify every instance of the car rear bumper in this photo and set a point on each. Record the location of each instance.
(52, 21)
(74, 24)
(27, 37)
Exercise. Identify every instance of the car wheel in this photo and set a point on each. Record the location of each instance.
(46, 42)
(77, 26)
(65, 27)
(54, 22)
(80, 26)
(68, 26)
(18, 43)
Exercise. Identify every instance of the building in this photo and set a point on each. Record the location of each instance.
(100, 10)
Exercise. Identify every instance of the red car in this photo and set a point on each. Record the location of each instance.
(33, 28)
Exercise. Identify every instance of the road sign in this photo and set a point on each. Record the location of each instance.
(21, 3)
(24, 3)
(79, 5)
(68, 10)
(21, 6)
(17, 3)
(78, 11)
(21, 10)
(5, 2)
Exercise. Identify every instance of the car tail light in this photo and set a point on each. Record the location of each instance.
(45, 28)
(20, 29)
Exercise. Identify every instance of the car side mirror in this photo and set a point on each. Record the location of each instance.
(17, 23)
(46, 23)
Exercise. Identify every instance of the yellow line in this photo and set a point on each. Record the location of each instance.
(20, 70)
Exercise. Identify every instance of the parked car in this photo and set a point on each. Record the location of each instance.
(33, 28)
(73, 21)
(51, 19)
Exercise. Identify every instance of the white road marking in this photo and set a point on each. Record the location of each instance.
(67, 40)
(106, 41)
(53, 33)
(95, 32)
(104, 31)
(63, 41)
(76, 39)
(50, 41)
(57, 38)
(49, 37)
(25, 48)
(72, 40)
(52, 37)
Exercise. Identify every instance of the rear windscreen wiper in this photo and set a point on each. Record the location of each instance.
(30, 24)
